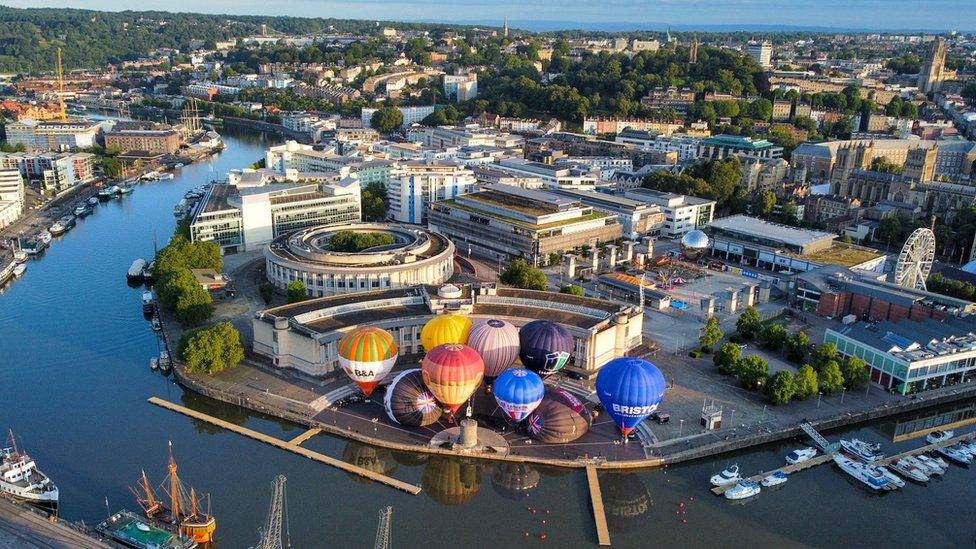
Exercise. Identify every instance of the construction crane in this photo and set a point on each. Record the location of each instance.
(271, 533)
(383, 528)
(60, 76)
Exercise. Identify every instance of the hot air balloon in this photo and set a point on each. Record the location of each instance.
(518, 392)
(545, 346)
(409, 402)
(497, 342)
(443, 329)
(452, 372)
(367, 355)
(451, 481)
(514, 480)
(630, 389)
(559, 418)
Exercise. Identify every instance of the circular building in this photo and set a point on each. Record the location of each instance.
(405, 256)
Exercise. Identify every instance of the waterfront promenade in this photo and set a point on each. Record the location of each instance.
(22, 528)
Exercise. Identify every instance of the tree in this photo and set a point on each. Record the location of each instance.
(764, 203)
(805, 382)
(211, 350)
(748, 323)
(797, 346)
(112, 168)
(845, 239)
(711, 334)
(855, 372)
(780, 388)
(823, 354)
(522, 275)
(296, 291)
(357, 241)
(773, 336)
(969, 92)
(194, 305)
(726, 358)
(572, 289)
(374, 201)
(267, 292)
(752, 371)
(889, 230)
(831, 378)
(386, 119)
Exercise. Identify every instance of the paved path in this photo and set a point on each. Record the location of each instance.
(23, 528)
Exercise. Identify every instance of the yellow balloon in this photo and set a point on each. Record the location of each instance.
(443, 329)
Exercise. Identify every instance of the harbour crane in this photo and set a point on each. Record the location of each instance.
(271, 533)
(62, 110)
(383, 528)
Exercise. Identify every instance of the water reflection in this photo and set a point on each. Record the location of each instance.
(372, 458)
(626, 500)
(451, 481)
(514, 481)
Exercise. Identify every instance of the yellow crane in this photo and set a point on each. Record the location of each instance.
(60, 75)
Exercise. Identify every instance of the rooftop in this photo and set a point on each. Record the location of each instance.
(737, 141)
(845, 255)
(913, 341)
(774, 231)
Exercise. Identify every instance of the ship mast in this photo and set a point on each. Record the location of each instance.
(13, 441)
(174, 485)
(148, 500)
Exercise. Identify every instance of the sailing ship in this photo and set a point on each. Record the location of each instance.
(183, 513)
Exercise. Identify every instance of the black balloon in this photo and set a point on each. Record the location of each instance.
(560, 418)
(409, 402)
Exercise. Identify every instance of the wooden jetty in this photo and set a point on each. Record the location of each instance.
(290, 446)
(302, 438)
(599, 515)
(927, 448)
(788, 469)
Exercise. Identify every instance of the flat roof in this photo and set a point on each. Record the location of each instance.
(914, 341)
(775, 231)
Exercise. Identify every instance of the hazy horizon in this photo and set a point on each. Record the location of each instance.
(618, 15)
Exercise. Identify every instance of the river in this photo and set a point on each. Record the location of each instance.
(74, 381)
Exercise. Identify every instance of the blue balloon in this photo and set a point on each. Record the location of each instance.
(630, 389)
(518, 392)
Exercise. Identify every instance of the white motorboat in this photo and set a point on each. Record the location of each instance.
(20, 256)
(178, 165)
(801, 455)
(930, 465)
(892, 478)
(154, 363)
(80, 209)
(955, 455)
(936, 437)
(774, 479)
(20, 478)
(134, 274)
(165, 363)
(148, 302)
(910, 469)
(938, 460)
(156, 325)
(863, 473)
(93, 201)
(126, 189)
(742, 490)
(57, 228)
(861, 450)
(729, 476)
(19, 269)
(45, 237)
(109, 192)
(970, 445)
(964, 448)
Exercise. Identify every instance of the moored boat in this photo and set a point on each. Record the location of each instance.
(800, 455)
(134, 274)
(34, 246)
(955, 455)
(862, 473)
(165, 363)
(156, 325)
(893, 479)
(109, 192)
(910, 469)
(930, 465)
(57, 228)
(861, 450)
(131, 530)
(45, 237)
(148, 302)
(81, 210)
(183, 515)
(774, 479)
(93, 201)
(936, 437)
(19, 269)
(126, 189)
(729, 476)
(154, 363)
(20, 478)
(743, 489)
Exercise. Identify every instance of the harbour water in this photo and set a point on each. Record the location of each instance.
(74, 350)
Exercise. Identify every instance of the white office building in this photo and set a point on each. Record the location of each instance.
(411, 115)
(762, 52)
(682, 213)
(53, 135)
(414, 185)
(11, 186)
(461, 87)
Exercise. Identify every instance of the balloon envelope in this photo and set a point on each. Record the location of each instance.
(409, 402)
(559, 418)
(545, 346)
(367, 355)
(452, 372)
(497, 342)
(443, 329)
(518, 392)
(630, 389)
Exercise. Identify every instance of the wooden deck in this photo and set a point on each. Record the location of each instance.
(290, 446)
(927, 448)
(302, 438)
(788, 469)
(596, 497)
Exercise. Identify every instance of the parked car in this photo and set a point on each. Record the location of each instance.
(661, 417)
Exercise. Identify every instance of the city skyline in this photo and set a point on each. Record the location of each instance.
(611, 15)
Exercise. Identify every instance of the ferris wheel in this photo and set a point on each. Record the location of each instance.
(915, 260)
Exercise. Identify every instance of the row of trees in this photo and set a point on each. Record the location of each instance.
(520, 274)
(176, 286)
(719, 180)
(354, 241)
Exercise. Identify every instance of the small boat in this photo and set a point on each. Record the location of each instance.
(34, 247)
(57, 229)
(19, 269)
(936, 437)
(178, 165)
(134, 274)
(863, 473)
(80, 210)
(929, 465)
(909, 469)
(126, 189)
(93, 201)
(774, 479)
(729, 476)
(154, 363)
(166, 176)
(964, 448)
(157, 326)
(165, 363)
(68, 222)
(148, 303)
(970, 445)
(955, 455)
(743, 489)
(801, 455)
(892, 478)
(861, 450)
(109, 192)
(20, 256)
(45, 237)
(147, 272)
(938, 461)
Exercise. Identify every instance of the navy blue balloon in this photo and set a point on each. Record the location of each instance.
(545, 347)
(518, 392)
(630, 389)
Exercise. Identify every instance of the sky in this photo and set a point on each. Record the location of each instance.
(939, 15)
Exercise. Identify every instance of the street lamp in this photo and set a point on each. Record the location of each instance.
(842, 393)
(681, 427)
(819, 395)
(732, 415)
